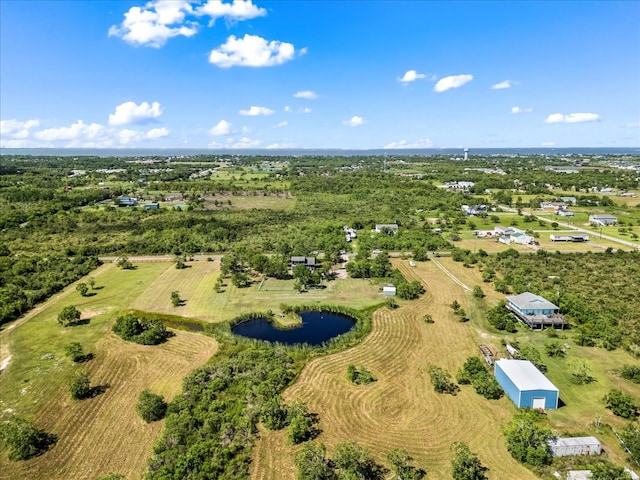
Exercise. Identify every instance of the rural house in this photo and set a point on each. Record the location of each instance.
(525, 385)
(535, 311)
(387, 227)
(309, 262)
(602, 220)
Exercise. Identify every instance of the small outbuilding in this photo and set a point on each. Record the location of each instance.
(563, 447)
(526, 385)
(389, 291)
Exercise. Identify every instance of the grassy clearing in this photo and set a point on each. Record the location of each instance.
(195, 285)
(246, 202)
(105, 434)
(102, 434)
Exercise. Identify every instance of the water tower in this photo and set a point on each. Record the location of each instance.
(466, 154)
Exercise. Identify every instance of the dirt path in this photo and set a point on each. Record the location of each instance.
(450, 275)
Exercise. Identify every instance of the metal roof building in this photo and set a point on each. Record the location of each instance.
(562, 447)
(526, 385)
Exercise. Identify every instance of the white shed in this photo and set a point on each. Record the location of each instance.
(562, 447)
(389, 291)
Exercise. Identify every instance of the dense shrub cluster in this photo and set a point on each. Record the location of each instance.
(211, 425)
(144, 331)
(474, 372)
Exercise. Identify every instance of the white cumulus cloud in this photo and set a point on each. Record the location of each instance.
(156, 22)
(251, 51)
(16, 129)
(572, 118)
(95, 135)
(237, 10)
(129, 112)
(411, 76)
(452, 81)
(245, 142)
(423, 143)
(256, 111)
(155, 133)
(305, 110)
(221, 128)
(502, 85)
(284, 123)
(516, 110)
(287, 108)
(308, 94)
(354, 121)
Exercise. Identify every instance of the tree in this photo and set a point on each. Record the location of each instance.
(124, 263)
(75, 352)
(274, 413)
(465, 464)
(301, 424)
(608, 471)
(176, 301)
(527, 440)
(580, 371)
(631, 373)
(401, 465)
(631, 437)
(80, 386)
(554, 349)
(313, 463)
(92, 283)
(441, 381)
(69, 316)
(151, 407)
(240, 279)
(23, 438)
(354, 462)
(83, 289)
(621, 404)
(477, 292)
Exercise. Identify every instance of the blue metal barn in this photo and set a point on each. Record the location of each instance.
(526, 385)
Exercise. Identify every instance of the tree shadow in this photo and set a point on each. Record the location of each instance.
(98, 390)
(98, 287)
(83, 321)
(85, 358)
(90, 294)
(314, 430)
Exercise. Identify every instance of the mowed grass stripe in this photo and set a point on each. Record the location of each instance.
(105, 434)
(401, 409)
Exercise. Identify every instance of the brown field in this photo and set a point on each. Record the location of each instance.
(104, 434)
(401, 409)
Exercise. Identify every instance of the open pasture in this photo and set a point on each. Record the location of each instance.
(401, 409)
(196, 283)
(248, 202)
(103, 434)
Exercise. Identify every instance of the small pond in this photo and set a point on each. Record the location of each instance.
(316, 328)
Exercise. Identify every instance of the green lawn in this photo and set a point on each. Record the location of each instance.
(38, 364)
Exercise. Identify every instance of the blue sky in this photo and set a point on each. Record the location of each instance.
(319, 74)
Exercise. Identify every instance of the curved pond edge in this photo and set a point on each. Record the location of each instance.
(352, 337)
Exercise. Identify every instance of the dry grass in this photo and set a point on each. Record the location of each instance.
(195, 285)
(105, 434)
(401, 409)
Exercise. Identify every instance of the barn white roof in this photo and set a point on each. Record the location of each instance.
(525, 375)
